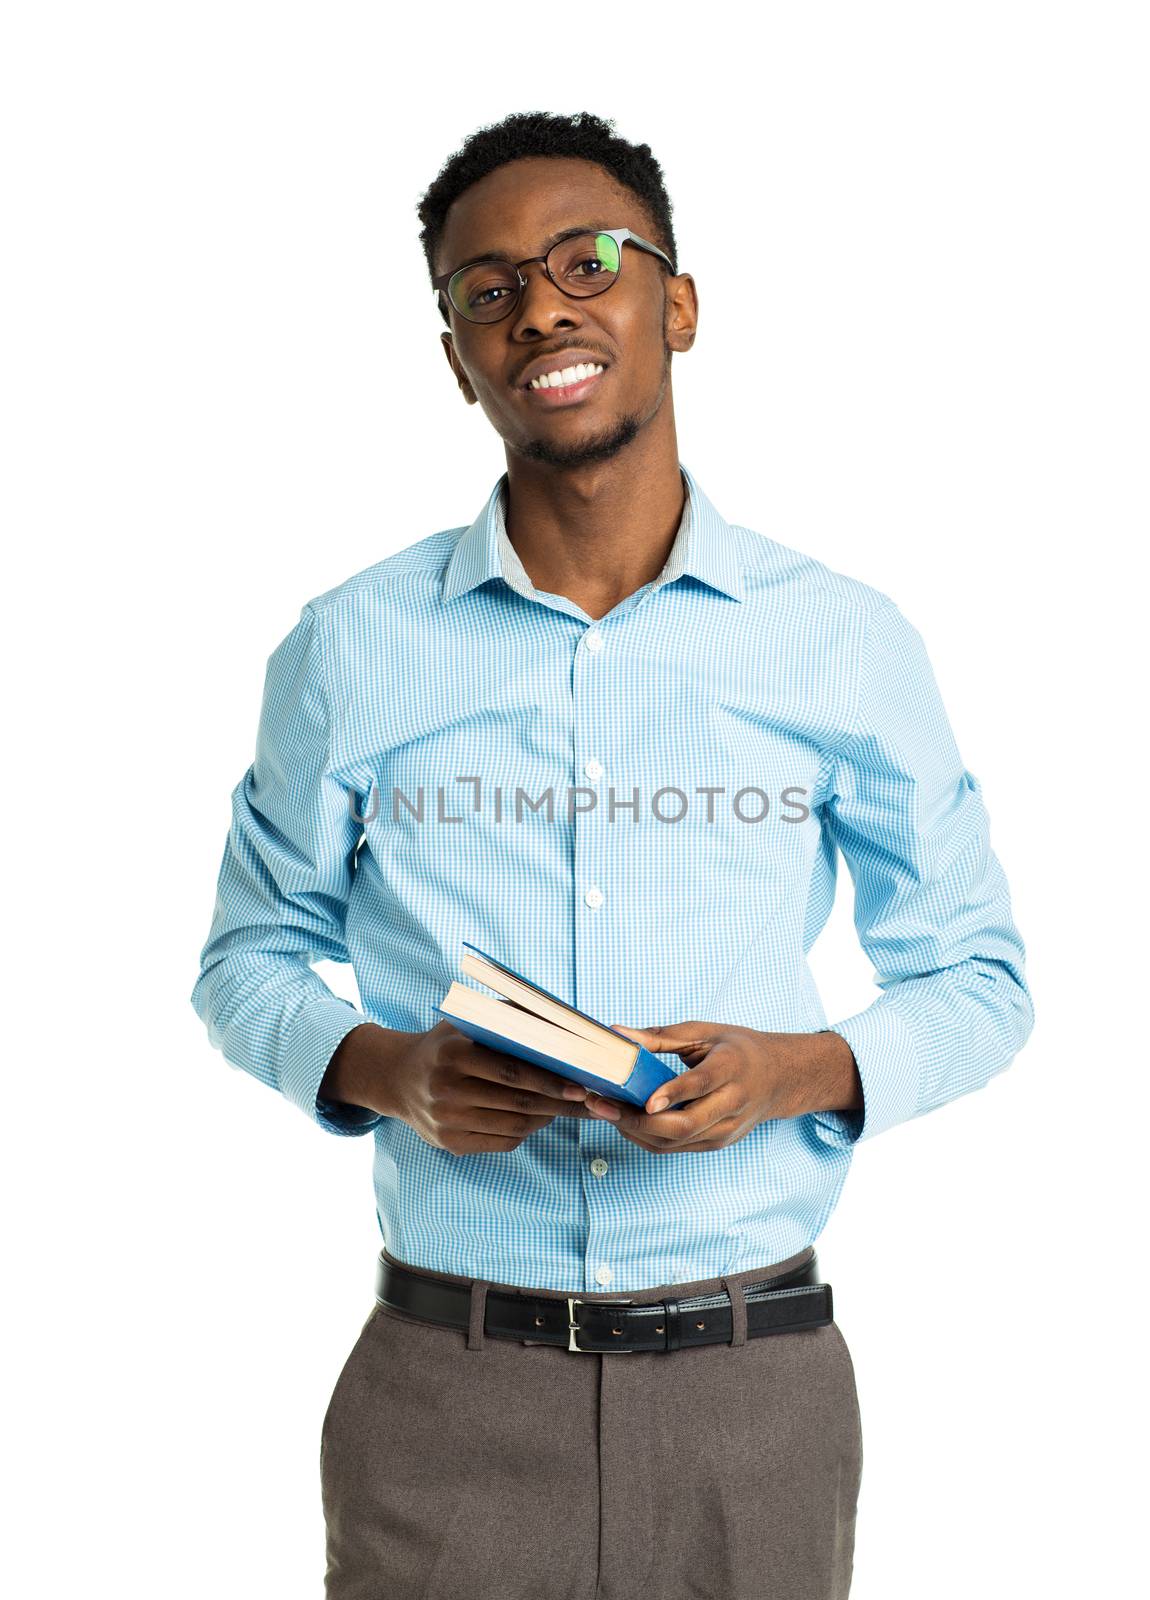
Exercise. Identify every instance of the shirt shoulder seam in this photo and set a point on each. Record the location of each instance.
(370, 581)
(317, 635)
(886, 606)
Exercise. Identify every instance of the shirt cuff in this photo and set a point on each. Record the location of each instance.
(887, 1060)
(318, 1032)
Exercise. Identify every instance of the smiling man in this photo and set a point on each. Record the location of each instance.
(619, 743)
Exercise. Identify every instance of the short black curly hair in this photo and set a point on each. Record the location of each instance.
(543, 133)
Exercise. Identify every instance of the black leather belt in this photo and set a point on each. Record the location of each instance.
(782, 1304)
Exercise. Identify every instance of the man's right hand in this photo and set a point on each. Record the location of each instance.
(456, 1094)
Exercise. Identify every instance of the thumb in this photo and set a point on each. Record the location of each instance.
(669, 1037)
(644, 1036)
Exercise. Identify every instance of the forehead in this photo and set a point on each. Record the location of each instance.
(514, 210)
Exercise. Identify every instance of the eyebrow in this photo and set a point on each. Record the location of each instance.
(564, 233)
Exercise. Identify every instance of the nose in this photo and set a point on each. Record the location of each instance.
(541, 304)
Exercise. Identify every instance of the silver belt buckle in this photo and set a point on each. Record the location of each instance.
(573, 1327)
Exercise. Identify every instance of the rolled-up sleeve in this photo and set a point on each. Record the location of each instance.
(281, 896)
(932, 906)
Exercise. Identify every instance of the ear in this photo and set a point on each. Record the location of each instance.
(448, 342)
(682, 312)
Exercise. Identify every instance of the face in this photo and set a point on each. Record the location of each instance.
(632, 329)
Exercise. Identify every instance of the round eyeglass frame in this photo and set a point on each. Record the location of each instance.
(441, 286)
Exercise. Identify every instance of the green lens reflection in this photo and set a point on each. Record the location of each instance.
(607, 251)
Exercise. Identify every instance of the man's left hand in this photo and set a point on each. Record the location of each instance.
(736, 1078)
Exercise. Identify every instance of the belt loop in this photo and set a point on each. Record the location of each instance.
(734, 1289)
(674, 1326)
(478, 1314)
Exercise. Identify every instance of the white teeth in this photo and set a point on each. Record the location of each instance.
(559, 380)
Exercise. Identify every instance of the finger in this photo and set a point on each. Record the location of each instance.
(716, 1137)
(694, 1121)
(497, 1066)
(686, 1039)
(488, 1143)
(489, 1120)
(573, 1108)
(693, 1084)
(656, 1146)
(502, 1097)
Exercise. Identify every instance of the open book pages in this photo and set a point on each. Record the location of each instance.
(525, 994)
(609, 1056)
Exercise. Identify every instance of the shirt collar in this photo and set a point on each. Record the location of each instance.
(704, 548)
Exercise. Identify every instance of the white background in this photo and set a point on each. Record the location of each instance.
(918, 236)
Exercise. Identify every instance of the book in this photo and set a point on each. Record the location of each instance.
(535, 1025)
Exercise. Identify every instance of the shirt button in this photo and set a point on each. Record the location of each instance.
(594, 898)
(594, 769)
(593, 640)
(603, 1274)
(598, 1166)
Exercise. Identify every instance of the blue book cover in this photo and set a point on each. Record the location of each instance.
(647, 1074)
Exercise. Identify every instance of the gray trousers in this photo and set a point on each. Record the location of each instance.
(462, 1466)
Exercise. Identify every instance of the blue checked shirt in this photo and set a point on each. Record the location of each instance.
(643, 815)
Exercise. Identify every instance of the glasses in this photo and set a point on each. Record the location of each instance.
(581, 265)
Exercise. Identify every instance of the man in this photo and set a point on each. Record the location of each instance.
(615, 742)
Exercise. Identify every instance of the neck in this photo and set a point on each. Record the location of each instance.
(598, 531)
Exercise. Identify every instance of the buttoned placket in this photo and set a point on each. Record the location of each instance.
(594, 916)
(593, 667)
(596, 759)
(591, 742)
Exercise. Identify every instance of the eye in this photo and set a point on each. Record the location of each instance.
(589, 261)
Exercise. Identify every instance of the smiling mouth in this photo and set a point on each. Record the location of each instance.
(565, 387)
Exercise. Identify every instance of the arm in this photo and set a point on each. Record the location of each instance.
(282, 897)
(361, 1074)
(932, 906)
